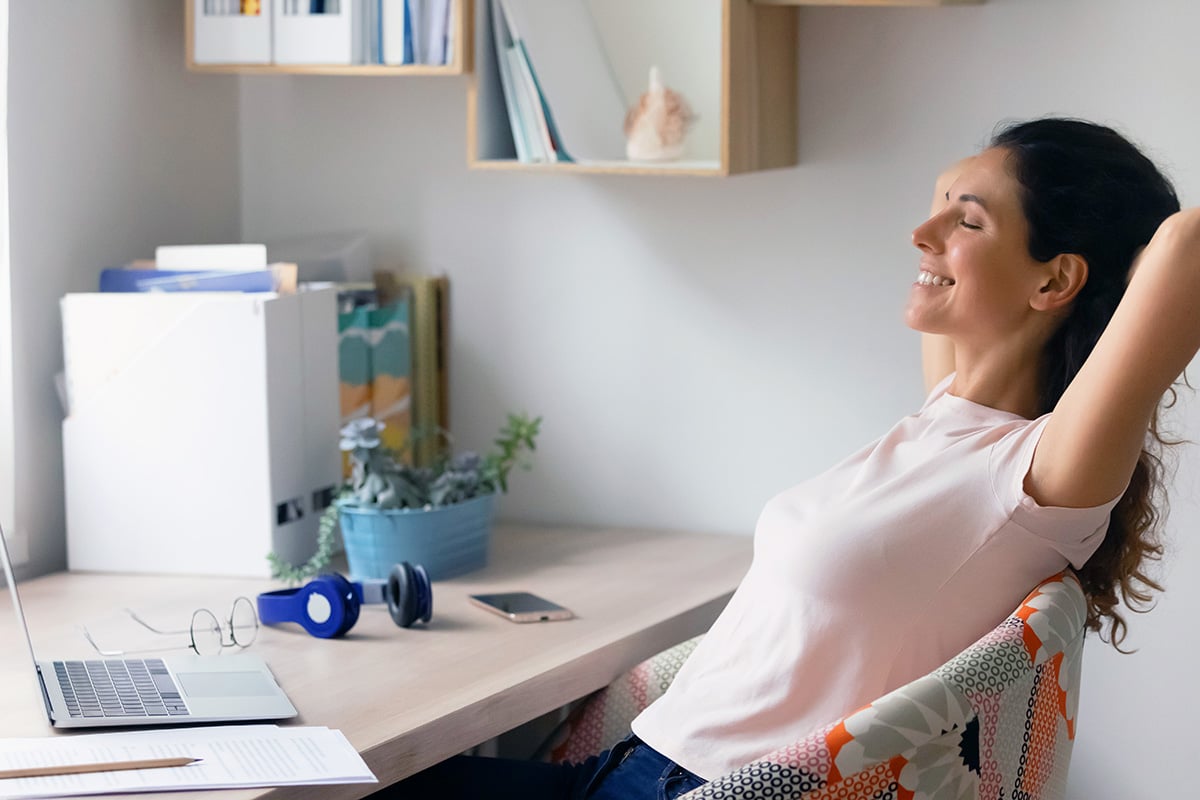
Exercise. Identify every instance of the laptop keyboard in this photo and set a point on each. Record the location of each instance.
(130, 687)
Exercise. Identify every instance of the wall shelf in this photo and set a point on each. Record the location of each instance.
(757, 116)
(460, 34)
(758, 107)
(360, 70)
(893, 3)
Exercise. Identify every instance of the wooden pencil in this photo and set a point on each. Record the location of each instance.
(109, 766)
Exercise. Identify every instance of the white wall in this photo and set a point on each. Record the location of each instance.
(697, 345)
(113, 149)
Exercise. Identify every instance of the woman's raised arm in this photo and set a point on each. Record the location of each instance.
(1099, 426)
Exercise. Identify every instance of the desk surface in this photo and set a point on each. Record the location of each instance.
(408, 698)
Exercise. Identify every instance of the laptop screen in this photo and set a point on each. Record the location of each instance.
(11, 580)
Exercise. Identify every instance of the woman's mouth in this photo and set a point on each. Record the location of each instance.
(926, 278)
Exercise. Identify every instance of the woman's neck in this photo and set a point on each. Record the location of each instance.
(1006, 381)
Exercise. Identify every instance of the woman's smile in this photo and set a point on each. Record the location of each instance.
(927, 278)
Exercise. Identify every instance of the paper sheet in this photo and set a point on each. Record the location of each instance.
(235, 756)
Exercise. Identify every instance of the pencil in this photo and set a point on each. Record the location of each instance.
(108, 766)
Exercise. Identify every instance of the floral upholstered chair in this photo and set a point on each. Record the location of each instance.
(998, 720)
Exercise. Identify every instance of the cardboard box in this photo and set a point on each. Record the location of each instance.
(202, 430)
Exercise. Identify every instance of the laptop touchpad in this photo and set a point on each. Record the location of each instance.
(225, 684)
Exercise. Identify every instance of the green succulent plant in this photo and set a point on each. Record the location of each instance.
(380, 478)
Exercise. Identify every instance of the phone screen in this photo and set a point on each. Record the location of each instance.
(517, 602)
(521, 606)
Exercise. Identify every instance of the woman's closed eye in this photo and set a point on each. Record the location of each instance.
(969, 225)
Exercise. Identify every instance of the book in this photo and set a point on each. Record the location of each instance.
(375, 358)
(391, 370)
(429, 328)
(418, 11)
(537, 115)
(273, 278)
(396, 21)
(503, 43)
(210, 256)
(437, 31)
(256, 280)
(584, 105)
(537, 119)
(354, 360)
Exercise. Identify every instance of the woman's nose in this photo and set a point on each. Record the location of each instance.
(926, 236)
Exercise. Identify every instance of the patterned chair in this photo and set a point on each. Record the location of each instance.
(998, 720)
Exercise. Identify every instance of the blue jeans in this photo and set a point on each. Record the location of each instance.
(631, 770)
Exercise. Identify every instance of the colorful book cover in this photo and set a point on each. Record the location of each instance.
(391, 373)
(430, 327)
(354, 366)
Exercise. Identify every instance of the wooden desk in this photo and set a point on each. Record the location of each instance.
(408, 698)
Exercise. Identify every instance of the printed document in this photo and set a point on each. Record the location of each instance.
(235, 756)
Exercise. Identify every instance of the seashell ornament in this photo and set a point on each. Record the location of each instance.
(655, 128)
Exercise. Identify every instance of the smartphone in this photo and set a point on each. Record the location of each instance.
(521, 606)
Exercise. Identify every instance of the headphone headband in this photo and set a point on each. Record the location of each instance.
(328, 606)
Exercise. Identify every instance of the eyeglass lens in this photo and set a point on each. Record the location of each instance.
(208, 638)
(243, 622)
(206, 633)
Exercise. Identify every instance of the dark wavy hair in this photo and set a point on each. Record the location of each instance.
(1085, 189)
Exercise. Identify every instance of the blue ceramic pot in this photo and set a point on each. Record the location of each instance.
(447, 541)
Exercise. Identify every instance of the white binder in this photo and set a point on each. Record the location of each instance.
(202, 431)
(334, 37)
(226, 38)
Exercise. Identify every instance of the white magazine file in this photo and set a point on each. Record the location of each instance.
(230, 38)
(202, 431)
(328, 38)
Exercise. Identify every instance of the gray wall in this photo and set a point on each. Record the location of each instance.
(697, 345)
(113, 149)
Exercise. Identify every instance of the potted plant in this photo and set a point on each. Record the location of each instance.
(389, 511)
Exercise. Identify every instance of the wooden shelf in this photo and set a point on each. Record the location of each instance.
(757, 117)
(894, 3)
(700, 169)
(462, 19)
(360, 70)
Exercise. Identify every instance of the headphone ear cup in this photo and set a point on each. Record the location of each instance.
(326, 607)
(350, 603)
(409, 596)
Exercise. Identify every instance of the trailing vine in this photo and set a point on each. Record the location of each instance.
(326, 548)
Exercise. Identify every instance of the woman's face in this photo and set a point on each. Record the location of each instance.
(976, 275)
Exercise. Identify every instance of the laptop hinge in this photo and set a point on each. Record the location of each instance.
(45, 694)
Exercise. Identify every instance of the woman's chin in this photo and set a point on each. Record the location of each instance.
(913, 319)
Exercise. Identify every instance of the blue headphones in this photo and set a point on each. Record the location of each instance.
(328, 605)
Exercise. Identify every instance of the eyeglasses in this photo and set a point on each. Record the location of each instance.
(208, 635)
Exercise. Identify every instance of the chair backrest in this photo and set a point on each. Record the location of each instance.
(998, 720)
(1022, 679)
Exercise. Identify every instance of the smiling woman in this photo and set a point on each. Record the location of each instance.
(1024, 461)
(1044, 293)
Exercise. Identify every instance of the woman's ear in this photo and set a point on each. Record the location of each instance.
(1065, 276)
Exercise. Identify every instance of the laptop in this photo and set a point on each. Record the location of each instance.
(164, 690)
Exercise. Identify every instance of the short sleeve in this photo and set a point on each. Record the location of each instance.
(1073, 532)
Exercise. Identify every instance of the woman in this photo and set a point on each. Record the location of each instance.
(1047, 356)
